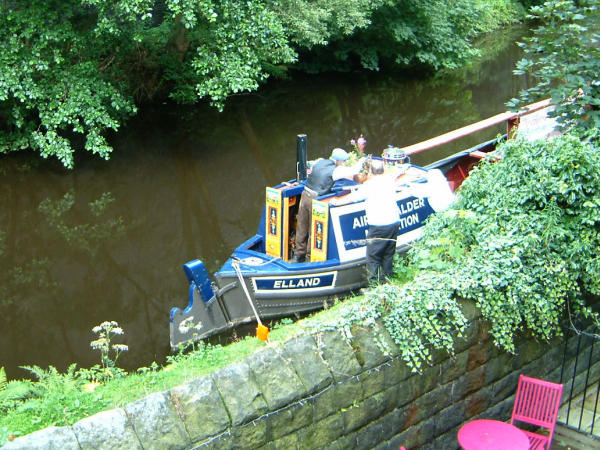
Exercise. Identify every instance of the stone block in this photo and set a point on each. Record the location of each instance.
(224, 441)
(390, 399)
(478, 355)
(446, 441)
(408, 438)
(469, 382)
(395, 372)
(439, 356)
(106, 430)
(359, 414)
(336, 397)
(452, 416)
(425, 432)
(505, 387)
(240, 393)
(338, 354)
(454, 367)
(201, 408)
(390, 423)
(495, 369)
(370, 436)
(470, 336)
(434, 401)
(528, 351)
(428, 380)
(386, 445)
(344, 443)
(552, 359)
(286, 442)
(156, 423)
(322, 432)
(290, 419)
(51, 438)
(251, 435)
(500, 411)
(372, 344)
(407, 391)
(413, 414)
(478, 402)
(276, 378)
(302, 353)
(374, 381)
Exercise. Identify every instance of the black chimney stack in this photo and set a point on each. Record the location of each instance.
(301, 158)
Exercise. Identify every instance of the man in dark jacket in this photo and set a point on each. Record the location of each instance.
(319, 182)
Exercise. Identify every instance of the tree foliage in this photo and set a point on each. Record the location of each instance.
(69, 70)
(53, 82)
(425, 33)
(312, 23)
(563, 57)
(72, 71)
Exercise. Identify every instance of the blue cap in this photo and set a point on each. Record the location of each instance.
(339, 154)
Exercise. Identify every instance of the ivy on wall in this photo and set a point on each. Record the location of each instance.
(521, 240)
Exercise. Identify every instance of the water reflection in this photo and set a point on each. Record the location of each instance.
(107, 241)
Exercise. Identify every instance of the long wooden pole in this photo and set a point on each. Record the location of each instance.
(474, 127)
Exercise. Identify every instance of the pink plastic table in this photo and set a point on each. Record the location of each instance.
(491, 435)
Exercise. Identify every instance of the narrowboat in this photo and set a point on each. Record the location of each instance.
(259, 281)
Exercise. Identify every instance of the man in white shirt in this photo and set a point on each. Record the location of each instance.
(383, 217)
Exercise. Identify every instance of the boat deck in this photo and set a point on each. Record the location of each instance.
(537, 125)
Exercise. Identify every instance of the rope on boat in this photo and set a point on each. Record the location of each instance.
(236, 266)
(262, 332)
(365, 241)
(268, 261)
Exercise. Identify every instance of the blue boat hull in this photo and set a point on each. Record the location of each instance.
(273, 287)
(274, 293)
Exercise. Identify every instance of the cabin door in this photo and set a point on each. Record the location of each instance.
(281, 209)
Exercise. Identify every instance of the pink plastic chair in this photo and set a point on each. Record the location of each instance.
(537, 403)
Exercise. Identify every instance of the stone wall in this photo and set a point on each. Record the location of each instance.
(321, 391)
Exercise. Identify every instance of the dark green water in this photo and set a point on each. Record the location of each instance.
(189, 182)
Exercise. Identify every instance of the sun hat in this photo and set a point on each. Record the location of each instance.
(339, 154)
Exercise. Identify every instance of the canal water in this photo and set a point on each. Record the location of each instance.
(107, 240)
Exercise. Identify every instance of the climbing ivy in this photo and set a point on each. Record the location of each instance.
(522, 241)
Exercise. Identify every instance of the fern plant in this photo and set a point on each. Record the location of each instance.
(3, 380)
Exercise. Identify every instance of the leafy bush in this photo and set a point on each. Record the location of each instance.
(521, 240)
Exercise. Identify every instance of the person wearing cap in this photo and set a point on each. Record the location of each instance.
(320, 181)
